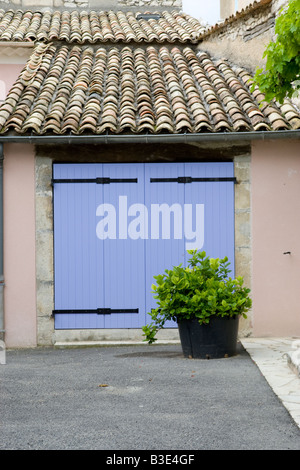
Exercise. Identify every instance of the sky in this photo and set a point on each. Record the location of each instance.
(207, 10)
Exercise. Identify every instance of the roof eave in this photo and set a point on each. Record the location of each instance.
(186, 138)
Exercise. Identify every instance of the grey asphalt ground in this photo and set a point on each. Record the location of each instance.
(138, 398)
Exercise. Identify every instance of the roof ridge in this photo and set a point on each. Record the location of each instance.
(256, 5)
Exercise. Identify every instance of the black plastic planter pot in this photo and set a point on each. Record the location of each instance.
(214, 340)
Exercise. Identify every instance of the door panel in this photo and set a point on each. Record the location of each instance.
(78, 260)
(166, 248)
(217, 198)
(124, 255)
(94, 268)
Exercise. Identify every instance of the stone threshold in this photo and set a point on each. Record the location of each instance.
(88, 344)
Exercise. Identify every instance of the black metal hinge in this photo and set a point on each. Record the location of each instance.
(189, 179)
(98, 311)
(104, 180)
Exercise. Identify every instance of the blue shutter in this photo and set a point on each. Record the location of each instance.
(118, 225)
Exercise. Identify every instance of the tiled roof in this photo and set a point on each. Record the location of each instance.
(81, 26)
(151, 88)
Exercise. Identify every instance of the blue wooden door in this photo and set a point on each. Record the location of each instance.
(118, 225)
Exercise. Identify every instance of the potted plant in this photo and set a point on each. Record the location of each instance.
(206, 304)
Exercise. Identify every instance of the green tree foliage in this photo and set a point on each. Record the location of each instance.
(281, 77)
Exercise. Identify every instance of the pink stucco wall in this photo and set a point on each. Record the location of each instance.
(275, 176)
(19, 246)
(8, 75)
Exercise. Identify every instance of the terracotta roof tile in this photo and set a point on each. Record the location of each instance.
(156, 89)
(82, 26)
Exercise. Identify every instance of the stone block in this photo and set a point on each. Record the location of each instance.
(243, 264)
(44, 213)
(42, 3)
(242, 229)
(2, 353)
(103, 4)
(44, 258)
(45, 332)
(242, 196)
(45, 298)
(242, 172)
(43, 175)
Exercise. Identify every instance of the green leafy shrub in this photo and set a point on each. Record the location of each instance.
(199, 291)
(281, 76)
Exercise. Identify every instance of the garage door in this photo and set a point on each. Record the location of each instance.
(118, 225)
